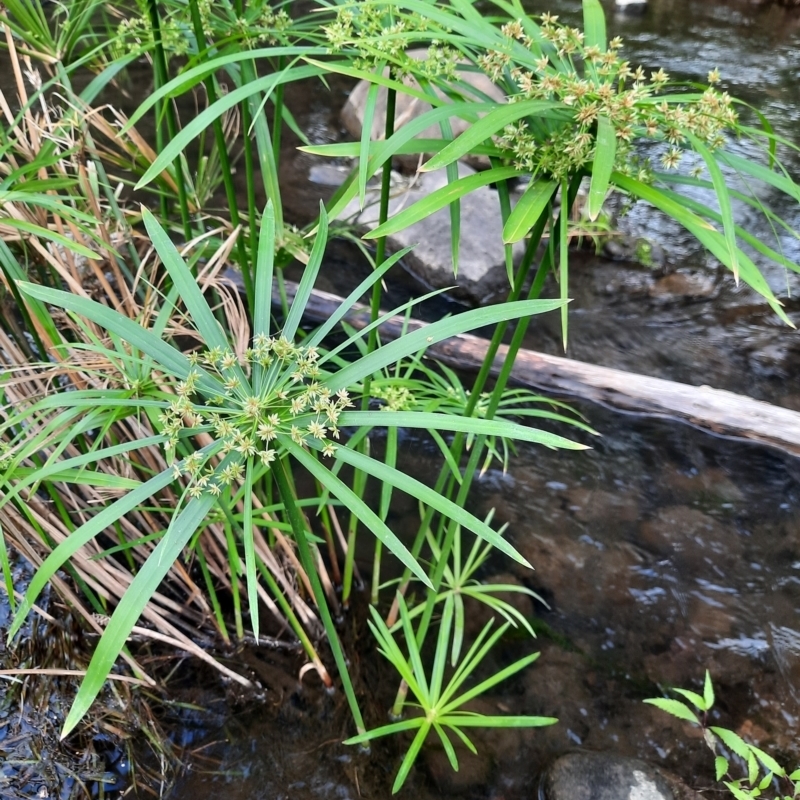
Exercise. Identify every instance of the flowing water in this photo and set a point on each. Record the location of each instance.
(660, 553)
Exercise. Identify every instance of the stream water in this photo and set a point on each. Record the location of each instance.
(660, 553)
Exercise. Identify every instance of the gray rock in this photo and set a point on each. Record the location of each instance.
(481, 266)
(600, 776)
(409, 108)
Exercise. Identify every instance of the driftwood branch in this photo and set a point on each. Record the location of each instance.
(717, 411)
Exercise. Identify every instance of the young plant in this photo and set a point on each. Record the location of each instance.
(440, 699)
(762, 770)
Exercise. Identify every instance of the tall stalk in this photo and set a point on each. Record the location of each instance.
(224, 159)
(307, 561)
(161, 78)
(372, 342)
(446, 482)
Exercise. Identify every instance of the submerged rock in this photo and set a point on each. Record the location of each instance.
(602, 776)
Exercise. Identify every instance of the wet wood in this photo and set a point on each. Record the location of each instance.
(714, 410)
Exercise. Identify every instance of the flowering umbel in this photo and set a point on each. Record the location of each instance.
(273, 390)
(590, 83)
(549, 62)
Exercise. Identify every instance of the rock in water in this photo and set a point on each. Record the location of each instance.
(601, 776)
(481, 266)
(631, 6)
(476, 86)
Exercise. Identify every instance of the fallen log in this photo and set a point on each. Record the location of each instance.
(717, 411)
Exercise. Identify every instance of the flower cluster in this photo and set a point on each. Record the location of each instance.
(381, 35)
(591, 83)
(395, 398)
(223, 395)
(135, 35)
(259, 26)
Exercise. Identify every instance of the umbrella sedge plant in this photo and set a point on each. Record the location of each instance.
(229, 423)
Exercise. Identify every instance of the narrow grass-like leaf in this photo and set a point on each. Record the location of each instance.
(741, 233)
(486, 127)
(382, 151)
(339, 489)
(169, 358)
(706, 234)
(528, 209)
(42, 232)
(318, 335)
(193, 76)
(447, 422)
(594, 25)
(783, 183)
(428, 496)
(309, 278)
(251, 571)
(8, 578)
(132, 603)
(442, 642)
(423, 691)
(346, 68)
(459, 628)
(481, 721)
(391, 650)
(411, 757)
(385, 730)
(447, 745)
(79, 537)
(439, 199)
(413, 147)
(418, 340)
(80, 477)
(603, 164)
(204, 120)
(265, 265)
(268, 166)
(366, 135)
(724, 200)
(200, 312)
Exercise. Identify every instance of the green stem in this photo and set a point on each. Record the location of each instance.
(307, 561)
(277, 122)
(359, 484)
(162, 76)
(372, 342)
(224, 159)
(494, 401)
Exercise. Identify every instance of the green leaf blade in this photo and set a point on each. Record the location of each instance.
(602, 166)
(528, 209)
(675, 708)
